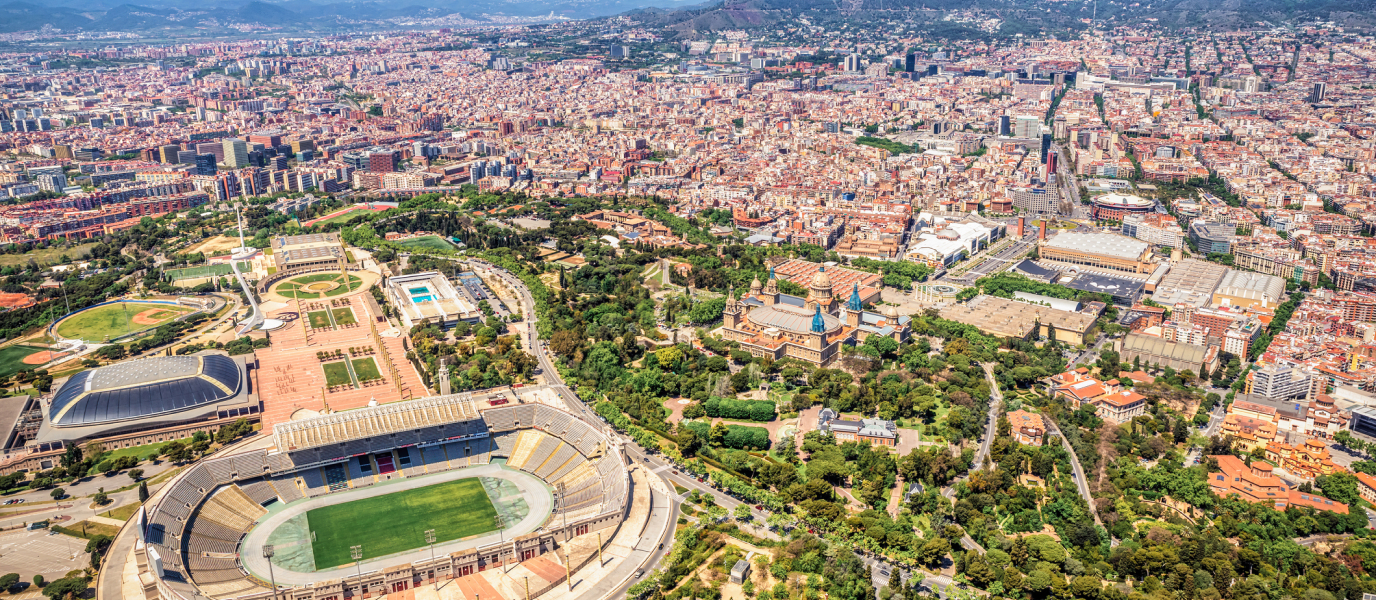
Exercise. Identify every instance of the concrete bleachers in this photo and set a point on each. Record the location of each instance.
(542, 453)
(216, 576)
(251, 464)
(231, 589)
(232, 508)
(197, 477)
(211, 529)
(500, 419)
(582, 437)
(554, 422)
(260, 491)
(453, 451)
(196, 544)
(526, 443)
(484, 452)
(561, 456)
(286, 488)
(220, 470)
(433, 459)
(503, 444)
(581, 472)
(355, 472)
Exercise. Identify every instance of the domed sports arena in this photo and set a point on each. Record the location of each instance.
(147, 394)
(383, 499)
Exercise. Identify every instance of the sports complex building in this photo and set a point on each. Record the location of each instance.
(1100, 250)
(205, 533)
(130, 404)
(430, 295)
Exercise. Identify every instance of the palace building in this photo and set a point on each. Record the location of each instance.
(769, 323)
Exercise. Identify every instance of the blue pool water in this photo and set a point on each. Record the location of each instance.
(425, 298)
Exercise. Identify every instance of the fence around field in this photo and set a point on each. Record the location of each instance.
(52, 329)
(211, 270)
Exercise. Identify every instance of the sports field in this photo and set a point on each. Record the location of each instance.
(298, 287)
(397, 522)
(114, 320)
(428, 242)
(12, 358)
(215, 270)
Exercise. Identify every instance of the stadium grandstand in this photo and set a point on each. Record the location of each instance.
(196, 531)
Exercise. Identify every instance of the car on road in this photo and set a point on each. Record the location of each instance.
(640, 573)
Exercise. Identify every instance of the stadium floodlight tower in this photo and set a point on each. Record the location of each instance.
(257, 320)
(430, 539)
(356, 552)
(268, 553)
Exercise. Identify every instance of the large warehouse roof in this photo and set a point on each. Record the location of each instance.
(1102, 244)
(144, 388)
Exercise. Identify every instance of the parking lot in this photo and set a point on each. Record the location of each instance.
(30, 553)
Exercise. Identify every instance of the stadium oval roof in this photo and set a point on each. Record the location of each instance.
(144, 388)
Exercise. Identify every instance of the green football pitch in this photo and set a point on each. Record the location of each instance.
(397, 522)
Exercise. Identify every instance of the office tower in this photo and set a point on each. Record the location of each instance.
(168, 154)
(910, 63)
(279, 163)
(1318, 92)
(1005, 125)
(215, 149)
(205, 164)
(933, 69)
(236, 153)
(97, 123)
(1051, 162)
(477, 171)
(853, 63)
(1027, 127)
(62, 151)
(1046, 143)
(832, 127)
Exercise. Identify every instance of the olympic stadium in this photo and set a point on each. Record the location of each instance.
(384, 499)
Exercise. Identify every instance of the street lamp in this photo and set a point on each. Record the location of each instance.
(267, 554)
(357, 553)
(430, 539)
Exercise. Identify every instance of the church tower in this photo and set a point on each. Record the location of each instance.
(731, 316)
(853, 306)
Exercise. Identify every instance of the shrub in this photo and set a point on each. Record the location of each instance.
(739, 410)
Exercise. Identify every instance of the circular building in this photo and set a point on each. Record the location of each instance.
(146, 394)
(1113, 207)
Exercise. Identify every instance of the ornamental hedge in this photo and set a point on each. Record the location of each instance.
(739, 410)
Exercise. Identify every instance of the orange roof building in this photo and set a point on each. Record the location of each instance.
(1257, 483)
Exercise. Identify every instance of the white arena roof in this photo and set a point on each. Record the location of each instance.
(1103, 244)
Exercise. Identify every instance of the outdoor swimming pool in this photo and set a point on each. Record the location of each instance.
(421, 294)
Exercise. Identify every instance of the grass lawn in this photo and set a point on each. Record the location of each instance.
(457, 509)
(289, 287)
(319, 319)
(114, 320)
(123, 513)
(337, 373)
(49, 256)
(344, 316)
(366, 368)
(139, 452)
(345, 217)
(428, 242)
(199, 271)
(12, 358)
(88, 530)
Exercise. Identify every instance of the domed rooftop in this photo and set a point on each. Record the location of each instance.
(820, 279)
(144, 388)
(796, 320)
